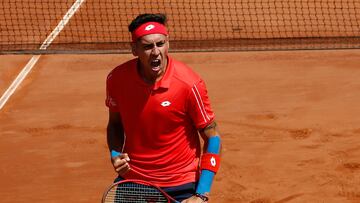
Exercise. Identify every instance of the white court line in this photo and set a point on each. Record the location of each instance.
(10, 91)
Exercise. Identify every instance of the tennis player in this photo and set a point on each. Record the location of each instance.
(158, 110)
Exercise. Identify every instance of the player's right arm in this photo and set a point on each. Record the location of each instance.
(115, 141)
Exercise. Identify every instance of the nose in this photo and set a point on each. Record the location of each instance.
(155, 50)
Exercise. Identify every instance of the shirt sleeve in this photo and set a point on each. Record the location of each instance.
(110, 101)
(199, 106)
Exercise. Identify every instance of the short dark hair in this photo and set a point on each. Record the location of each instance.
(146, 17)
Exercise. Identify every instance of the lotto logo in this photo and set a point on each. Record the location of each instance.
(149, 27)
(213, 161)
(165, 103)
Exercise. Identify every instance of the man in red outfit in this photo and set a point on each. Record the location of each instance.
(158, 107)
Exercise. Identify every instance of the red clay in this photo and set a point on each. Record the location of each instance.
(289, 122)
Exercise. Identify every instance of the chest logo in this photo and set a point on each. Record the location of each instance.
(165, 103)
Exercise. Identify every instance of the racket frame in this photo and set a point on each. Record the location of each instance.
(141, 182)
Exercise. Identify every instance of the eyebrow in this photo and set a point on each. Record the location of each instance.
(146, 44)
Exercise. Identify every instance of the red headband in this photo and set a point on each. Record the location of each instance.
(147, 29)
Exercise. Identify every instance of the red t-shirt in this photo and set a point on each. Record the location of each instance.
(160, 121)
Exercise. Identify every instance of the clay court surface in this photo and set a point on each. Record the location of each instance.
(289, 122)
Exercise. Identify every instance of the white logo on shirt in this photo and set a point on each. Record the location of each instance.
(149, 27)
(165, 103)
(213, 161)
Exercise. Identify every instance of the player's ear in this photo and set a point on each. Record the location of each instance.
(133, 48)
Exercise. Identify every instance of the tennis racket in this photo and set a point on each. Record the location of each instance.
(135, 191)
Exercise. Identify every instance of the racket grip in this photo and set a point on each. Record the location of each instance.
(115, 153)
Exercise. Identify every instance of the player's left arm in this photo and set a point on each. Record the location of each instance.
(210, 162)
(210, 159)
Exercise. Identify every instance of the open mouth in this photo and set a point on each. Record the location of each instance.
(155, 64)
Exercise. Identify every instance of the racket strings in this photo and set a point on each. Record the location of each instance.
(134, 193)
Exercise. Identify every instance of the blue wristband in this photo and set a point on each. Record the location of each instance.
(207, 177)
(115, 153)
(214, 145)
